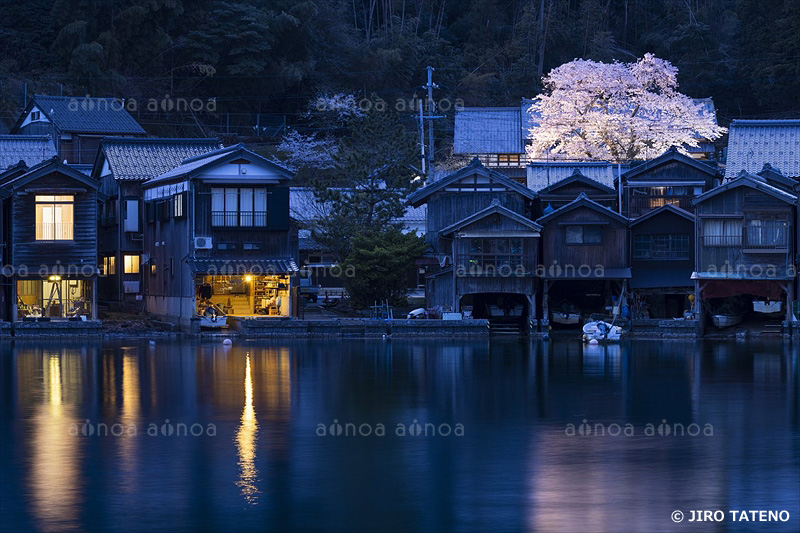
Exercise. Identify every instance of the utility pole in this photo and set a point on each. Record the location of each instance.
(422, 137)
(431, 107)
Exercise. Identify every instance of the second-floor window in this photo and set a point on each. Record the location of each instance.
(54, 218)
(583, 235)
(239, 207)
(489, 255)
(766, 234)
(722, 232)
(661, 246)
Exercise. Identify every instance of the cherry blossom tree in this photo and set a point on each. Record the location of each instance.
(616, 112)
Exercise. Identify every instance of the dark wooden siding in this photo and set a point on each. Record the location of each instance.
(611, 253)
(80, 251)
(661, 224)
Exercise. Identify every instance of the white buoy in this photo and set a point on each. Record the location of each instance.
(152, 343)
(227, 342)
(593, 342)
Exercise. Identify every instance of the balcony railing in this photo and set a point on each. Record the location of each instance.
(239, 219)
(52, 231)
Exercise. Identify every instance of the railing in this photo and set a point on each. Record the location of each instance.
(639, 205)
(54, 231)
(493, 265)
(234, 219)
(767, 236)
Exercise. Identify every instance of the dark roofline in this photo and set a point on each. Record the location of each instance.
(582, 201)
(159, 140)
(747, 180)
(667, 207)
(29, 105)
(766, 122)
(418, 198)
(495, 207)
(46, 167)
(670, 155)
(233, 151)
(577, 176)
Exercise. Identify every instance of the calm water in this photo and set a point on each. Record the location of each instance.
(266, 455)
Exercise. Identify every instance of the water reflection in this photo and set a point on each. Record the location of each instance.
(55, 482)
(246, 441)
(514, 469)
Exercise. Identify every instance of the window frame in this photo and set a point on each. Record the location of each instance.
(583, 228)
(58, 200)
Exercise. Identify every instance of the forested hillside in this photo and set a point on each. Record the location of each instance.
(272, 56)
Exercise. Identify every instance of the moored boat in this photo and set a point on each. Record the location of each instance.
(601, 331)
(726, 320)
(213, 317)
(566, 318)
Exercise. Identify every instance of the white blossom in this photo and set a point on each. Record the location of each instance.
(617, 111)
(306, 151)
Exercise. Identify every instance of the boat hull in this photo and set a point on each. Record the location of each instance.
(601, 331)
(726, 321)
(566, 319)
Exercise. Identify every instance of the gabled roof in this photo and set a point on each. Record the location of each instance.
(475, 167)
(47, 167)
(83, 114)
(576, 176)
(542, 174)
(745, 179)
(32, 149)
(670, 155)
(668, 208)
(141, 159)
(195, 165)
(751, 143)
(13, 171)
(582, 201)
(495, 207)
(771, 173)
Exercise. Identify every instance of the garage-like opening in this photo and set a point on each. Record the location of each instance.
(572, 302)
(497, 307)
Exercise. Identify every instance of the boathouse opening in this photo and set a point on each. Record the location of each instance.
(245, 295)
(497, 307)
(756, 305)
(571, 302)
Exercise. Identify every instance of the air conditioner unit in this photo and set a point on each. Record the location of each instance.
(202, 243)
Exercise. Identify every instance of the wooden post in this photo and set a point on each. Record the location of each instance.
(698, 308)
(94, 297)
(545, 304)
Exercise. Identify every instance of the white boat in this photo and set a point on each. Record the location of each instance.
(767, 307)
(601, 331)
(726, 321)
(560, 317)
(213, 317)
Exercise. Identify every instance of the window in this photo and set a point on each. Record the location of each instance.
(131, 216)
(163, 210)
(722, 232)
(767, 233)
(109, 265)
(226, 246)
(661, 246)
(54, 218)
(242, 207)
(583, 235)
(508, 158)
(491, 255)
(252, 246)
(36, 115)
(152, 267)
(178, 203)
(131, 264)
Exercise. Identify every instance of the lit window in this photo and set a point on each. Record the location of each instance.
(54, 218)
(131, 264)
(245, 207)
(109, 265)
(177, 205)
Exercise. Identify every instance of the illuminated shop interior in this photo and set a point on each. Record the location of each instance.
(245, 295)
(54, 298)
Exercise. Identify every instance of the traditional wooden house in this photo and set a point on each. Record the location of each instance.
(51, 236)
(76, 123)
(746, 257)
(483, 244)
(121, 166)
(671, 178)
(562, 192)
(217, 236)
(585, 266)
(662, 262)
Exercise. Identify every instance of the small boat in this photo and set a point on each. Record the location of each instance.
(767, 307)
(213, 317)
(726, 320)
(601, 331)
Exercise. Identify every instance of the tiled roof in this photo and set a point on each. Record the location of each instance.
(746, 179)
(752, 143)
(542, 175)
(140, 159)
(503, 130)
(83, 169)
(243, 265)
(193, 163)
(85, 114)
(33, 149)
